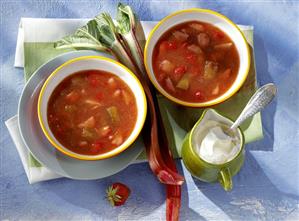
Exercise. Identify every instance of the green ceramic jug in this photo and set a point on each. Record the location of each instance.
(209, 172)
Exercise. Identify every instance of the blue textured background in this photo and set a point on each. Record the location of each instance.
(267, 187)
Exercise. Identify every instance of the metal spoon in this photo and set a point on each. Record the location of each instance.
(261, 98)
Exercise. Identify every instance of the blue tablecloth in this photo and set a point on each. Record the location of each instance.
(267, 188)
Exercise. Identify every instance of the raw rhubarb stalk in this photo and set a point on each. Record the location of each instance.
(153, 148)
(129, 27)
(173, 192)
(133, 35)
(173, 202)
(112, 40)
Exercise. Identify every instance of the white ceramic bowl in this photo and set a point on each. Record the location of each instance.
(88, 63)
(210, 17)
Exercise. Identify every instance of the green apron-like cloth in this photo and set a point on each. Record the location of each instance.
(178, 120)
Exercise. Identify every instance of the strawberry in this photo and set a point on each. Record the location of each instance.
(117, 194)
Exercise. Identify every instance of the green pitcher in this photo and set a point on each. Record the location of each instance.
(206, 171)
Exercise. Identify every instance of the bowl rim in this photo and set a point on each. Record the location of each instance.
(177, 100)
(73, 154)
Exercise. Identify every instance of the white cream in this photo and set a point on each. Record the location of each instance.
(215, 146)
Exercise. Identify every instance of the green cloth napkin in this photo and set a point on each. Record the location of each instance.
(177, 120)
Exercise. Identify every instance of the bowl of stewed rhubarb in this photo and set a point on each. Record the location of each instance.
(197, 57)
(91, 108)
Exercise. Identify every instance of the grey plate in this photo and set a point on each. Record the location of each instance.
(43, 151)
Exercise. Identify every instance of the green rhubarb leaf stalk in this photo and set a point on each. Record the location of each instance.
(129, 27)
(112, 39)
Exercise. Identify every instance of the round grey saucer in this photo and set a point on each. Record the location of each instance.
(43, 151)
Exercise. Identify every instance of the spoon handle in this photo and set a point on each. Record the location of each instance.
(261, 98)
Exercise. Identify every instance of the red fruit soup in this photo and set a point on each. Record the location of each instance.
(92, 112)
(195, 61)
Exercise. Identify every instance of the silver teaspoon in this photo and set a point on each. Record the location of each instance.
(260, 99)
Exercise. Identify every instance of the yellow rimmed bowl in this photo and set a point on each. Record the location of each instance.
(207, 16)
(88, 63)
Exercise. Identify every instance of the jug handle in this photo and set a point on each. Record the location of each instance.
(225, 179)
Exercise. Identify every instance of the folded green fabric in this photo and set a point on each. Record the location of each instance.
(177, 120)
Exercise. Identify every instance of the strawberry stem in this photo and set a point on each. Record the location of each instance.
(112, 195)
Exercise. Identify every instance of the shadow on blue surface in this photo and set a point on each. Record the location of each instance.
(264, 77)
(92, 194)
(187, 213)
(254, 198)
(146, 197)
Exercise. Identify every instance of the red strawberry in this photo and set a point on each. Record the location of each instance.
(117, 194)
